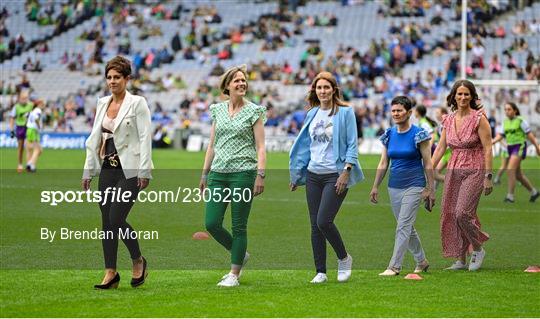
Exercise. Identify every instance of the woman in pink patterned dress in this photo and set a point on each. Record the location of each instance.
(467, 132)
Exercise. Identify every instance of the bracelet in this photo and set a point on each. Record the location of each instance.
(204, 176)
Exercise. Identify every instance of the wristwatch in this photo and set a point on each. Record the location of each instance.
(261, 173)
(348, 169)
(488, 176)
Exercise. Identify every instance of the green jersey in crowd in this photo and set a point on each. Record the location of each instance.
(20, 113)
(515, 130)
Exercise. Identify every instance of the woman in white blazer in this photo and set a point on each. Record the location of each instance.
(119, 150)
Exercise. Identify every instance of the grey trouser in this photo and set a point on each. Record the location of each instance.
(405, 203)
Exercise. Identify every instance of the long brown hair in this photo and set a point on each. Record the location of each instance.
(514, 107)
(451, 98)
(337, 97)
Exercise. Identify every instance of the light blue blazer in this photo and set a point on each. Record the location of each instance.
(344, 144)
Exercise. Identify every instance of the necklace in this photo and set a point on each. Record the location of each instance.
(233, 112)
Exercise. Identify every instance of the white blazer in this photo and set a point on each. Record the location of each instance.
(132, 138)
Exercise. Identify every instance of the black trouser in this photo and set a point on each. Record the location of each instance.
(114, 214)
(323, 205)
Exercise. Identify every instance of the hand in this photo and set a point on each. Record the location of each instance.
(428, 196)
(342, 181)
(425, 193)
(203, 184)
(259, 186)
(85, 184)
(12, 134)
(374, 195)
(488, 186)
(142, 183)
(292, 187)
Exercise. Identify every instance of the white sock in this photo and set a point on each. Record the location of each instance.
(534, 191)
(510, 196)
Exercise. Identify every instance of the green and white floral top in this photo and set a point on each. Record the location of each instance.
(234, 141)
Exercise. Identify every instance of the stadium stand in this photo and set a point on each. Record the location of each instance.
(377, 50)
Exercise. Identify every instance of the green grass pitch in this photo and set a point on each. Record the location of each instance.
(54, 279)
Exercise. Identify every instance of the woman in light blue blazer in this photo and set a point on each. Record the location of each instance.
(324, 157)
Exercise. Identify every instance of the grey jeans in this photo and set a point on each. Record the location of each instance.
(405, 203)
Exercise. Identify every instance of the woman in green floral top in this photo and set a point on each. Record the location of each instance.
(233, 167)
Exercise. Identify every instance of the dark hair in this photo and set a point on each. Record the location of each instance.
(337, 97)
(402, 100)
(228, 76)
(451, 98)
(514, 107)
(423, 111)
(120, 65)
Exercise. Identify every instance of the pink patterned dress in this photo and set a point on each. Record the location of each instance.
(463, 186)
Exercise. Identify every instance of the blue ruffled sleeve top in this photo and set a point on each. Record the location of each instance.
(403, 148)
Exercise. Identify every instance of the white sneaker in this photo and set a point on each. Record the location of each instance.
(457, 265)
(477, 257)
(389, 272)
(344, 268)
(319, 278)
(246, 258)
(229, 280)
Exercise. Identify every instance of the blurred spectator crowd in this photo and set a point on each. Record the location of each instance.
(369, 77)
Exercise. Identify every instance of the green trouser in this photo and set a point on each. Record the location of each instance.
(237, 189)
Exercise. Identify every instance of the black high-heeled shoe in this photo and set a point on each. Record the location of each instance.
(113, 283)
(136, 282)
